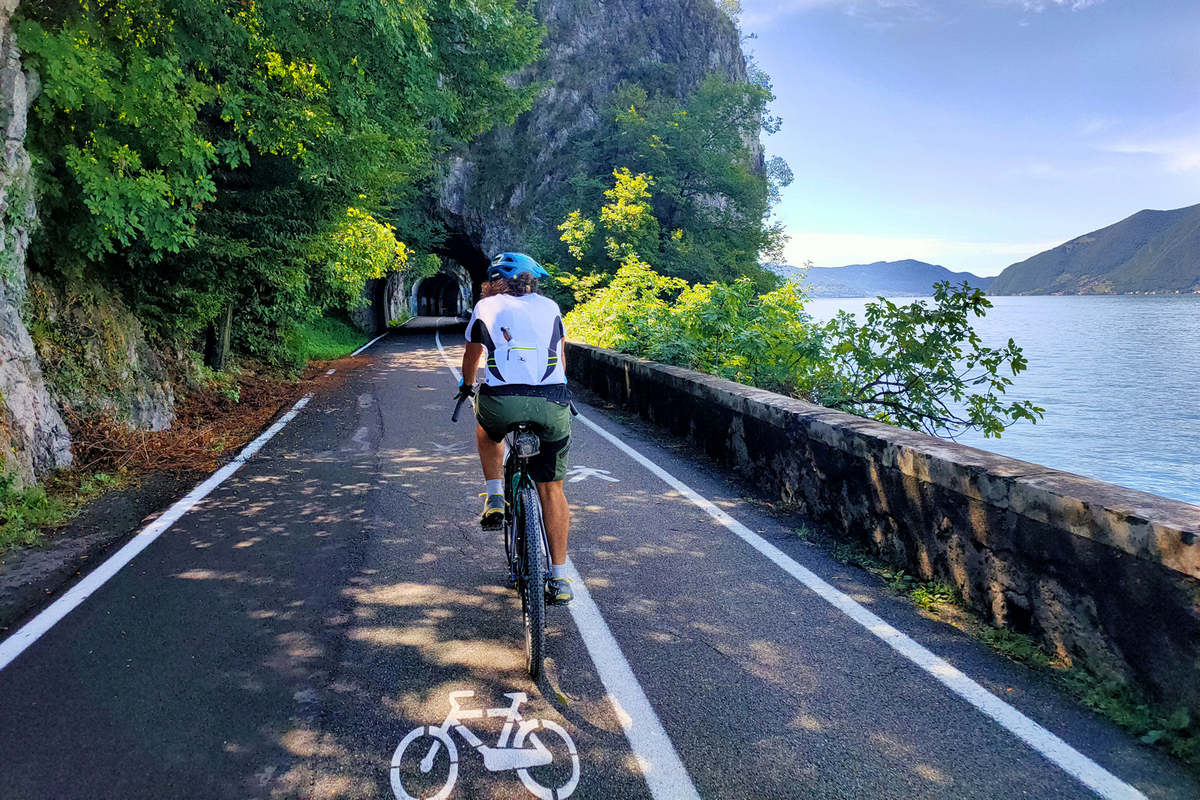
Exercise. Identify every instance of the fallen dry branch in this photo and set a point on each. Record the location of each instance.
(208, 425)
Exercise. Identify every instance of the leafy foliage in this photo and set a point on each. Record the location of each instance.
(708, 211)
(260, 154)
(23, 512)
(917, 366)
(924, 367)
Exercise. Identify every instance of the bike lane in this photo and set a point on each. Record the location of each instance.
(430, 615)
(767, 690)
(282, 638)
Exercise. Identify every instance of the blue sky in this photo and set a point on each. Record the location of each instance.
(975, 133)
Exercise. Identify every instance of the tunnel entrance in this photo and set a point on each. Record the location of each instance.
(438, 296)
(461, 250)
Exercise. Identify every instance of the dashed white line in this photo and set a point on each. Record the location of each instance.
(665, 775)
(1069, 759)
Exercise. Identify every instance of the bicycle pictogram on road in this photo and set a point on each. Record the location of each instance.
(528, 750)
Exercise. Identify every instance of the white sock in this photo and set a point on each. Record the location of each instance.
(496, 486)
(558, 571)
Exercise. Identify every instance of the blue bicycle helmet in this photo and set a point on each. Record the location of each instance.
(510, 265)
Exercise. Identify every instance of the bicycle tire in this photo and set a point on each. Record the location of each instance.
(533, 585)
(531, 727)
(416, 734)
(511, 559)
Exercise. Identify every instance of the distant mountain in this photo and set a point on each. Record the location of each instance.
(1152, 251)
(896, 278)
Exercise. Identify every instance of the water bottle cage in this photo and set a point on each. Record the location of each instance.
(526, 444)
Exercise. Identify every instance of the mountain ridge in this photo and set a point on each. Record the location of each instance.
(907, 277)
(1151, 251)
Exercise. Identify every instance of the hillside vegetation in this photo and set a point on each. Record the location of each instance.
(268, 157)
(1151, 251)
(919, 366)
(907, 278)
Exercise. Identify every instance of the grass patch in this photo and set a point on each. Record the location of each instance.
(26, 514)
(1174, 731)
(404, 317)
(325, 339)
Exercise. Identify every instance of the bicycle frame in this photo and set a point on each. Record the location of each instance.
(501, 756)
(516, 477)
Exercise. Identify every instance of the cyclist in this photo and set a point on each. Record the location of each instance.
(524, 381)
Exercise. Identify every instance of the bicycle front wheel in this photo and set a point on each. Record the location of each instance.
(533, 589)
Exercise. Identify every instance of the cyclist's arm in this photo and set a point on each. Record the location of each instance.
(470, 363)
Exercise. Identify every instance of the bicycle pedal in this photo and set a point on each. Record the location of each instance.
(490, 525)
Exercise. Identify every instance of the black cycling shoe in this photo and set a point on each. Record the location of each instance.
(493, 513)
(558, 591)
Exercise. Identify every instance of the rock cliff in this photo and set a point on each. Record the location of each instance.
(492, 191)
(75, 346)
(33, 438)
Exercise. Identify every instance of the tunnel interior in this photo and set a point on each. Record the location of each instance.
(460, 249)
(438, 296)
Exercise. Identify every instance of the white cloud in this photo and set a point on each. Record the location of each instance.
(1178, 154)
(758, 13)
(839, 249)
(1038, 6)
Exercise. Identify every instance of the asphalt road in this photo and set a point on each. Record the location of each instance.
(284, 637)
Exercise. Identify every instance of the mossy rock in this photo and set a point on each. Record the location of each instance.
(95, 355)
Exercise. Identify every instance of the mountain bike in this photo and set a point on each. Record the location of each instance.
(528, 751)
(526, 550)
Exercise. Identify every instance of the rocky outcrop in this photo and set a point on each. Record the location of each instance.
(33, 438)
(96, 356)
(492, 191)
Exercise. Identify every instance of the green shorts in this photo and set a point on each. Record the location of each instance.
(551, 421)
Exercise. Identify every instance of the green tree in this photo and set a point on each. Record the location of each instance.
(920, 366)
(712, 191)
(923, 366)
(203, 154)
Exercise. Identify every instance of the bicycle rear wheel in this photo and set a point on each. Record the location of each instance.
(533, 588)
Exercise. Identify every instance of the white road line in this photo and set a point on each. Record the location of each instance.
(31, 631)
(665, 775)
(368, 344)
(1049, 745)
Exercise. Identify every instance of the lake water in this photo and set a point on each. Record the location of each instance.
(1119, 378)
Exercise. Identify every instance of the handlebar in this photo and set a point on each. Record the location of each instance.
(457, 407)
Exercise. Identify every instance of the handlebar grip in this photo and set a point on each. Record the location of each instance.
(574, 410)
(457, 408)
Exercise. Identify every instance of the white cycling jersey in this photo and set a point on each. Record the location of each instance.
(522, 336)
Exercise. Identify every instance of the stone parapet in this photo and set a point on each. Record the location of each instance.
(1103, 575)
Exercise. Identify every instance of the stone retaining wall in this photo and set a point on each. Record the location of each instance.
(1103, 574)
